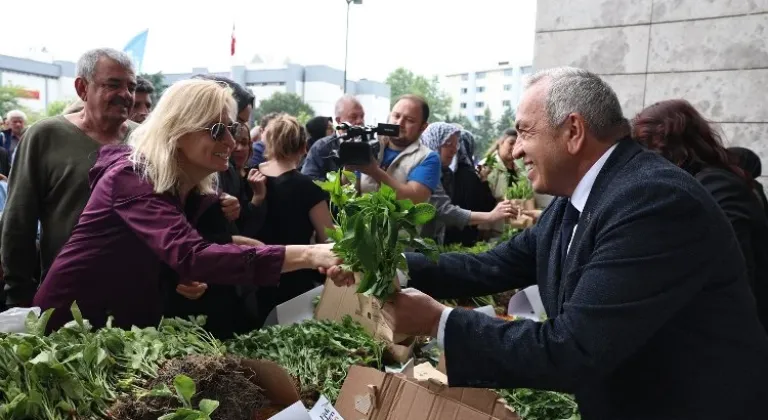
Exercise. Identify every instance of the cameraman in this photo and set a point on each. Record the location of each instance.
(320, 158)
(403, 163)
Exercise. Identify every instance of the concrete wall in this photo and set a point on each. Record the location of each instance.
(714, 53)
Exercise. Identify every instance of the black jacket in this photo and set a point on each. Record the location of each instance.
(223, 305)
(738, 202)
(251, 217)
(653, 318)
(5, 162)
(468, 192)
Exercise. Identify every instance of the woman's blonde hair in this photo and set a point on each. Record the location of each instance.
(187, 106)
(285, 137)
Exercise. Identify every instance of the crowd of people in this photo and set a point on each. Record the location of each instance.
(652, 261)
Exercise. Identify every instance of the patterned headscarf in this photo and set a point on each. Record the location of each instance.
(437, 134)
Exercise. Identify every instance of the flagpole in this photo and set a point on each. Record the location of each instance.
(346, 40)
(346, 48)
(233, 49)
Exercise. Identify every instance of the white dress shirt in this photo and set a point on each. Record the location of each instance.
(578, 199)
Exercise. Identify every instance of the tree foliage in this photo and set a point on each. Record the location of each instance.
(506, 121)
(8, 100)
(486, 132)
(56, 108)
(158, 81)
(403, 82)
(461, 120)
(287, 102)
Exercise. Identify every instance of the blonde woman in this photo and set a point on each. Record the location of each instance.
(137, 217)
(297, 209)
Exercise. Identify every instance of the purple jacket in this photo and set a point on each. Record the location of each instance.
(111, 263)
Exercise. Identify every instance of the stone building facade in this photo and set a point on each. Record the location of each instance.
(714, 53)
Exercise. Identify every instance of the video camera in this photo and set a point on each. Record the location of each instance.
(355, 145)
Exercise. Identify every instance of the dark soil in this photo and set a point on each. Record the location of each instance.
(308, 394)
(502, 299)
(217, 378)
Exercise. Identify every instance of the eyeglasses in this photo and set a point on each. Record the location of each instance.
(217, 130)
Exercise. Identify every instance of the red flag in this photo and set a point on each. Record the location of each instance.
(232, 48)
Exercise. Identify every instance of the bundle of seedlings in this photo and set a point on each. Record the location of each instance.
(373, 231)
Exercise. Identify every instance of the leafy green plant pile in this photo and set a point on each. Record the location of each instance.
(520, 190)
(532, 404)
(78, 372)
(373, 230)
(318, 353)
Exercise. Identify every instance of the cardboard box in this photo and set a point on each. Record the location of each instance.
(278, 386)
(296, 310)
(323, 410)
(337, 302)
(373, 395)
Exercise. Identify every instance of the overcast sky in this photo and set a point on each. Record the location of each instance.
(426, 36)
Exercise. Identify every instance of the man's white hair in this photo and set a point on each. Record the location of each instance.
(16, 113)
(573, 90)
(86, 65)
(344, 101)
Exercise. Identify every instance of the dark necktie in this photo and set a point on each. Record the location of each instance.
(570, 219)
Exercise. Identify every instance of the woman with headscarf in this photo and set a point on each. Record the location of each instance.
(461, 199)
(750, 163)
(676, 130)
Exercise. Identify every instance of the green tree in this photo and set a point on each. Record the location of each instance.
(486, 132)
(158, 81)
(290, 103)
(461, 120)
(55, 108)
(8, 99)
(403, 82)
(506, 121)
(32, 116)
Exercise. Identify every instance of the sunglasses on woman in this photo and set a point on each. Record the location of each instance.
(217, 130)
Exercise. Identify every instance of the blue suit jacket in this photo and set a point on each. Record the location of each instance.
(653, 318)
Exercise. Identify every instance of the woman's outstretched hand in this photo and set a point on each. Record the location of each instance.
(339, 277)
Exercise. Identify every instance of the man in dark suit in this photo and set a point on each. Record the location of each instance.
(649, 311)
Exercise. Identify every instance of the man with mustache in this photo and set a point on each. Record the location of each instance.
(404, 164)
(50, 170)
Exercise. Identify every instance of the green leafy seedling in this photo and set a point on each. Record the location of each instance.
(373, 230)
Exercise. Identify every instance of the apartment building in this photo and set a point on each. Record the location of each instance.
(496, 88)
